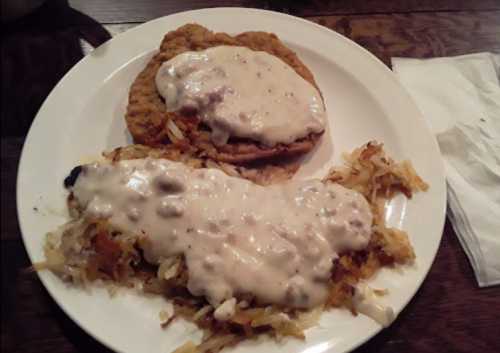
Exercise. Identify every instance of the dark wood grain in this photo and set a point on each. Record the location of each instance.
(118, 11)
(359, 7)
(448, 314)
(420, 35)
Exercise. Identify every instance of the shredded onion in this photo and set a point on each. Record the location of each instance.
(174, 129)
(309, 318)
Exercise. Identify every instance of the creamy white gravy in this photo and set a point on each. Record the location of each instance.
(244, 93)
(276, 242)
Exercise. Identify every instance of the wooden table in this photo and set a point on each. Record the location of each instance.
(448, 314)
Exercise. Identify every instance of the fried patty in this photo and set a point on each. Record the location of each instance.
(146, 112)
(260, 173)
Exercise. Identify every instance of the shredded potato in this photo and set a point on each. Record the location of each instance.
(188, 347)
(216, 342)
(85, 250)
(378, 177)
(202, 312)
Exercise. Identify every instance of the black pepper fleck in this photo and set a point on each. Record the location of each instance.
(70, 180)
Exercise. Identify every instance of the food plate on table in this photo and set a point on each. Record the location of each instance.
(85, 115)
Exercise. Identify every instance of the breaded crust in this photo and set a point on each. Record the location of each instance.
(262, 174)
(146, 113)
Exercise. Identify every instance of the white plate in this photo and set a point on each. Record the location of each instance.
(84, 115)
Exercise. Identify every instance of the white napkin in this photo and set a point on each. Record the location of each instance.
(460, 99)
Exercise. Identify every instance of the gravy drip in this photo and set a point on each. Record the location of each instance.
(244, 93)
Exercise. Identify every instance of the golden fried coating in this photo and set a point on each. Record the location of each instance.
(260, 173)
(147, 116)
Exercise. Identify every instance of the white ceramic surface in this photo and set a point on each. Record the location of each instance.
(84, 115)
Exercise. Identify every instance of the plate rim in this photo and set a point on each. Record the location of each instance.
(240, 10)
